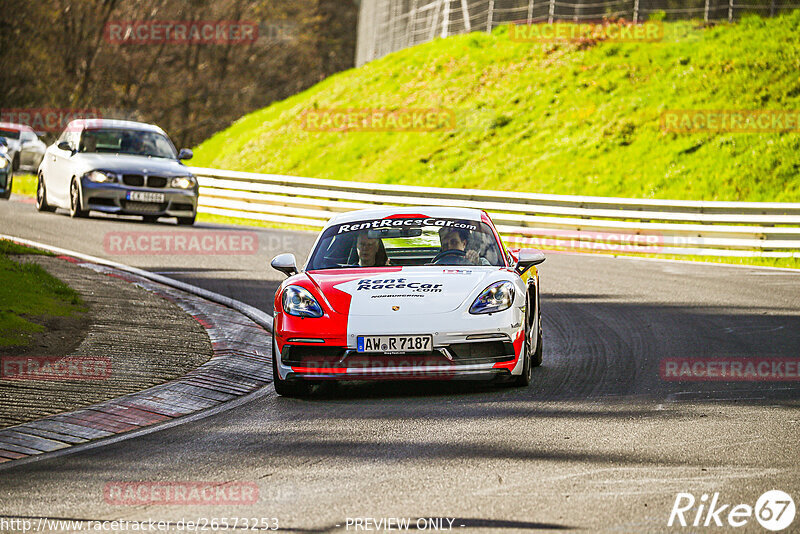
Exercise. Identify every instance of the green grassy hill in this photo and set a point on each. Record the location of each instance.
(551, 118)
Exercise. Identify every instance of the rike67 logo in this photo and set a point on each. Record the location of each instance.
(774, 510)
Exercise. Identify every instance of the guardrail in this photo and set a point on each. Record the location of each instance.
(555, 222)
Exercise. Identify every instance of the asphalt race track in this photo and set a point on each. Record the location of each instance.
(599, 441)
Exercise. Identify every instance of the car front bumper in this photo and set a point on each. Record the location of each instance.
(113, 198)
(484, 347)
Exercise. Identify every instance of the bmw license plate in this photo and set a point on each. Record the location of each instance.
(394, 343)
(145, 196)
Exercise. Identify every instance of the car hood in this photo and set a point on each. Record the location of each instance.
(131, 164)
(410, 290)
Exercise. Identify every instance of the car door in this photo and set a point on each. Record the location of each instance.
(59, 169)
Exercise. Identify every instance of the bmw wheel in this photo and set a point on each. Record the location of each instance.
(9, 184)
(75, 208)
(41, 197)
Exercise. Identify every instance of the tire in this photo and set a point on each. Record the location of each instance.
(7, 193)
(15, 164)
(186, 221)
(536, 361)
(525, 378)
(287, 388)
(41, 197)
(75, 208)
(150, 219)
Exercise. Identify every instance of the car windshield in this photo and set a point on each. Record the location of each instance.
(119, 141)
(9, 134)
(406, 241)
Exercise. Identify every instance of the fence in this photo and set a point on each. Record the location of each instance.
(388, 25)
(598, 224)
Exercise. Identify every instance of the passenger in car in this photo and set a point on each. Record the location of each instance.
(371, 252)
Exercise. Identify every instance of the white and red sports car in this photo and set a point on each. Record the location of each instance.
(407, 293)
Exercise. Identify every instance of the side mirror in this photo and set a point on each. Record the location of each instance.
(528, 257)
(64, 145)
(284, 263)
(185, 153)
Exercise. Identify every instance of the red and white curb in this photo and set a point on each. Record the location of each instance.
(240, 367)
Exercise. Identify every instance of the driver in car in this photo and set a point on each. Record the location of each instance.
(455, 240)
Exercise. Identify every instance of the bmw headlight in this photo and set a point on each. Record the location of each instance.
(495, 298)
(101, 177)
(299, 302)
(184, 182)
(3, 163)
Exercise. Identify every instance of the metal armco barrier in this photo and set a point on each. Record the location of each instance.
(554, 222)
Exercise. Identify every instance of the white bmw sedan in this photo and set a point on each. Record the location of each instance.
(120, 167)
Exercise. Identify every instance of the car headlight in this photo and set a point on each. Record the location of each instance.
(495, 298)
(299, 302)
(101, 177)
(3, 163)
(184, 182)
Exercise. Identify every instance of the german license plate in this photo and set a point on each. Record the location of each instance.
(145, 196)
(394, 343)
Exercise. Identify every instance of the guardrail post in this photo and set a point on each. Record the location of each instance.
(636, 11)
(465, 15)
(489, 17)
(730, 10)
(552, 11)
(412, 23)
(446, 18)
(705, 12)
(530, 12)
(434, 22)
(772, 8)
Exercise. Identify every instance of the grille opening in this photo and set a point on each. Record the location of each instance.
(156, 181)
(134, 180)
(484, 351)
(143, 207)
(180, 206)
(110, 202)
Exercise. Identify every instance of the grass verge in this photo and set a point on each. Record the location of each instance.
(24, 184)
(28, 296)
(561, 118)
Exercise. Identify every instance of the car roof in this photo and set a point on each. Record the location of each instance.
(112, 124)
(468, 214)
(15, 126)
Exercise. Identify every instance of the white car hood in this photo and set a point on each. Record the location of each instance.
(416, 290)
